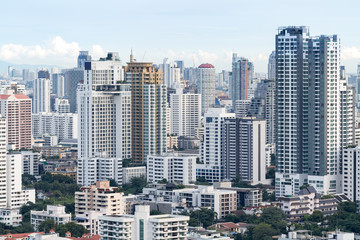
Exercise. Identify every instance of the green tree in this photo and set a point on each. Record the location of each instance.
(263, 231)
(76, 230)
(113, 183)
(163, 181)
(135, 186)
(316, 216)
(203, 217)
(46, 226)
(274, 217)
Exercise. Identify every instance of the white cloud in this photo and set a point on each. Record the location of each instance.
(97, 51)
(350, 53)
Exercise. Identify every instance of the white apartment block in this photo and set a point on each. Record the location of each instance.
(104, 109)
(53, 212)
(131, 172)
(10, 217)
(269, 151)
(185, 113)
(62, 125)
(96, 200)
(41, 95)
(91, 170)
(222, 201)
(62, 105)
(141, 226)
(173, 167)
(12, 195)
(211, 149)
(30, 161)
(351, 173)
(206, 86)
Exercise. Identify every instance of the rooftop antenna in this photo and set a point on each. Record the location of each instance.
(143, 56)
(131, 56)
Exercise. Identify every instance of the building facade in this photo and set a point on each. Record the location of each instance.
(148, 99)
(16, 108)
(53, 212)
(41, 93)
(242, 72)
(206, 86)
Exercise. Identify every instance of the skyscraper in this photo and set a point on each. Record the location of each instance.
(308, 111)
(148, 98)
(58, 84)
(242, 71)
(206, 86)
(104, 116)
(272, 66)
(16, 108)
(41, 94)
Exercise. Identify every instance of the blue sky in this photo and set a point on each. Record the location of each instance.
(52, 32)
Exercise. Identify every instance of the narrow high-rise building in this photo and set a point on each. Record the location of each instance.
(243, 149)
(16, 108)
(206, 86)
(308, 112)
(242, 71)
(149, 103)
(185, 113)
(41, 94)
(72, 77)
(58, 84)
(213, 168)
(171, 73)
(272, 66)
(104, 115)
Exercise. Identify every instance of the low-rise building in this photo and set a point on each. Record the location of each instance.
(143, 226)
(308, 201)
(11, 217)
(54, 212)
(173, 167)
(131, 172)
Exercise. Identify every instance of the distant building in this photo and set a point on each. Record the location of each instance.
(30, 161)
(72, 77)
(62, 105)
(41, 93)
(206, 86)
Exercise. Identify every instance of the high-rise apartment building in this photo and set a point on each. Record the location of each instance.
(185, 113)
(272, 66)
(149, 103)
(62, 105)
(211, 153)
(41, 93)
(243, 149)
(16, 108)
(308, 108)
(206, 86)
(104, 113)
(242, 72)
(350, 176)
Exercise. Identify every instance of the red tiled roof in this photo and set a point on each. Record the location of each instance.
(21, 96)
(4, 96)
(20, 235)
(206, 65)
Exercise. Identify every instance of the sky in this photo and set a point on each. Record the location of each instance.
(197, 31)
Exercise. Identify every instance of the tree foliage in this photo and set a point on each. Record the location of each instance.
(47, 225)
(76, 230)
(203, 217)
(135, 186)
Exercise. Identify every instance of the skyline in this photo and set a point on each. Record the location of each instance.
(196, 32)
